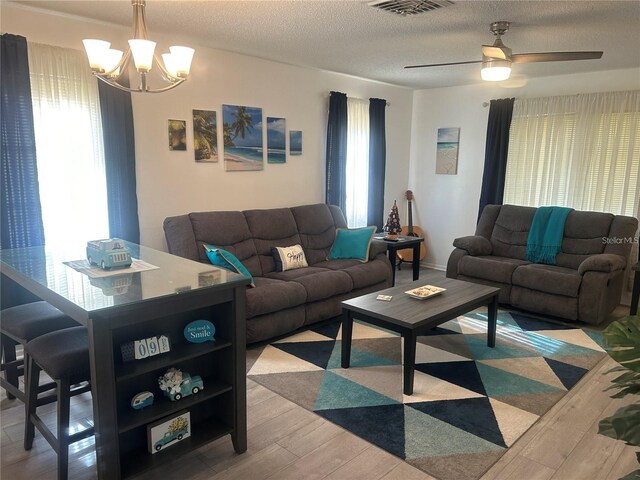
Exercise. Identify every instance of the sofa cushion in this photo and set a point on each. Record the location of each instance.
(496, 269)
(474, 244)
(271, 295)
(325, 284)
(548, 279)
(293, 274)
(234, 237)
(511, 231)
(271, 228)
(227, 260)
(317, 227)
(363, 275)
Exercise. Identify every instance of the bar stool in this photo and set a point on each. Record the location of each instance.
(64, 356)
(18, 325)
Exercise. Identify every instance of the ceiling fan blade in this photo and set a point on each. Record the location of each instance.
(494, 52)
(554, 57)
(443, 64)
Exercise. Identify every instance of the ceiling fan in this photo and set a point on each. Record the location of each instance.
(497, 58)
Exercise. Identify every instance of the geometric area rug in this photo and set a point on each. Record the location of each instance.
(470, 402)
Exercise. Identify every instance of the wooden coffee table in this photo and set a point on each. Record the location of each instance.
(411, 317)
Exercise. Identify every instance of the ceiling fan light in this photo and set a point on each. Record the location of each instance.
(495, 74)
(96, 50)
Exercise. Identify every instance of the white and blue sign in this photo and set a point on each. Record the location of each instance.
(199, 331)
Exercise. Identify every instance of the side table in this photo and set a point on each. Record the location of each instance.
(402, 243)
(633, 309)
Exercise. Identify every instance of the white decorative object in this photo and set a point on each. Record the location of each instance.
(163, 344)
(141, 349)
(289, 258)
(152, 345)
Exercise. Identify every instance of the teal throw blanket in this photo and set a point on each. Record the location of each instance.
(546, 233)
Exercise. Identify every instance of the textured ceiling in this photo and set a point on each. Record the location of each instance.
(353, 38)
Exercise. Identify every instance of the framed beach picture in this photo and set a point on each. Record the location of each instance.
(177, 135)
(276, 146)
(295, 142)
(242, 127)
(447, 151)
(205, 136)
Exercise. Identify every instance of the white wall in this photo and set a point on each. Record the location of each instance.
(172, 183)
(446, 206)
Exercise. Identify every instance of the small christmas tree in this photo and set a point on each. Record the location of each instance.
(392, 227)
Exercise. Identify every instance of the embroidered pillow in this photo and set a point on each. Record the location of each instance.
(352, 243)
(289, 258)
(227, 260)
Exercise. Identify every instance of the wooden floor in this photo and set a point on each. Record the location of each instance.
(288, 442)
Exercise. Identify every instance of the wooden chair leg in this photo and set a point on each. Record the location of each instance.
(63, 428)
(32, 376)
(9, 355)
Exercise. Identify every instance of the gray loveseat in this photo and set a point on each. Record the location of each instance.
(282, 302)
(586, 282)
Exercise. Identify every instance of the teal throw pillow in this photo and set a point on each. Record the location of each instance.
(227, 260)
(352, 243)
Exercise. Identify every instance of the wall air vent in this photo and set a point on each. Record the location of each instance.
(409, 7)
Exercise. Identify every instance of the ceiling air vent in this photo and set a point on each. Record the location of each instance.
(409, 7)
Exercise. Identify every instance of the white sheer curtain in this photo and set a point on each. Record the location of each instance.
(357, 174)
(579, 151)
(69, 146)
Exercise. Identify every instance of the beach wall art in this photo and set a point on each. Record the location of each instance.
(276, 138)
(205, 136)
(447, 151)
(295, 142)
(242, 132)
(177, 135)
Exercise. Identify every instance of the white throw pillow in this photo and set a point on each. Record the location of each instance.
(289, 258)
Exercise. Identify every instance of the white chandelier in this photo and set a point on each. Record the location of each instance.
(108, 64)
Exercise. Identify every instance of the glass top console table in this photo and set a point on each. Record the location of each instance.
(127, 307)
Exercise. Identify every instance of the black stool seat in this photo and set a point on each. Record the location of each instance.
(62, 354)
(31, 320)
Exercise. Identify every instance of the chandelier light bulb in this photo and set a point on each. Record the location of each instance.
(142, 51)
(111, 60)
(96, 50)
(169, 64)
(182, 57)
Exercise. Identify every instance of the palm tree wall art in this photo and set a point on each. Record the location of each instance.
(242, 133)
(205, 136)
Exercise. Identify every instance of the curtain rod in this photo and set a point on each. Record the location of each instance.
(357, 98)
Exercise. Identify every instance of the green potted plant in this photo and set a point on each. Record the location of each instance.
(622, 341)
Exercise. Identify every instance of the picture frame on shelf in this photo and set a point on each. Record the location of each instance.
(168, 431)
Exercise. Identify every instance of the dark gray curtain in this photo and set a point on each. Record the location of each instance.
(120, 162)
(377, 161)
(496, 150)
(335, 192)
(21, 214)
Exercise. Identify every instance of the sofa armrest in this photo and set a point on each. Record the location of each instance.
(604, 262)
(474, 244)
(377, 248)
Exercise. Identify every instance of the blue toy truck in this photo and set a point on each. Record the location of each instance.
(108, 253)
(189, 385)
(170, 437)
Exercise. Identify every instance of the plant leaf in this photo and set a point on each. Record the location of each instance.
(635, 475)
(622, 340)
(624, 425)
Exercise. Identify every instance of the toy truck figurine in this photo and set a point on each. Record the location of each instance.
(108, 253)
(176, 384)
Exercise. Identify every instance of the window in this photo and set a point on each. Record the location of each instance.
(357, 169)
(69, 145)
(579, 151)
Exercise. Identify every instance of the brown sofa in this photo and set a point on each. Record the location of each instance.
(586, 282)
(282, 302)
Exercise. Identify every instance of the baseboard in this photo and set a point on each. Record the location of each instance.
(433, 266)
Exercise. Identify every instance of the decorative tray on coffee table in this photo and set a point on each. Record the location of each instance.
(424, 292)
